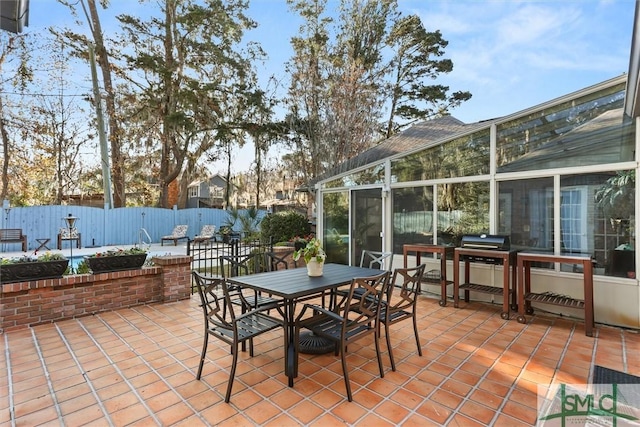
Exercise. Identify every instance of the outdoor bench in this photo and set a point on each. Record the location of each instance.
(13, 235)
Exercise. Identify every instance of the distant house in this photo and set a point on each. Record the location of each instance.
(207, 194)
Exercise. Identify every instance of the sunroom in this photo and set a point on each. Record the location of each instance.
(556, 178)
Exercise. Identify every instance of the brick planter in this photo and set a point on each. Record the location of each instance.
(36, 302)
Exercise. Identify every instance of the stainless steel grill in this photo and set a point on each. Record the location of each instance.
(485, 243)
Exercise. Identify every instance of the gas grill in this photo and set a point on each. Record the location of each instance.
(486, 249)
(485, 243)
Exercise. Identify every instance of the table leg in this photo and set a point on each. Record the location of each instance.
(521, 318)
(587, 277)
(505, 290)
(456, 279)
(467, 279)
(290, 355)
(43, 244)
(443, 280)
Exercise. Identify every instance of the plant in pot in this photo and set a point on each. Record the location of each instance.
(225, 232)
(314, 256)
(26, 268)
(117, 260)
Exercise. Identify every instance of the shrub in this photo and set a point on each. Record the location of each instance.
(283, 226)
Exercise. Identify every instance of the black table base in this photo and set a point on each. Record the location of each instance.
(313, 344)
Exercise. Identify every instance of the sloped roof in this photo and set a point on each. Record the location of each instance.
(599, 140)
(419, 136)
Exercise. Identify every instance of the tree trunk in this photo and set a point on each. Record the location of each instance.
(6, 153)
(117, 166)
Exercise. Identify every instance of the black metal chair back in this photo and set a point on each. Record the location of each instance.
(224, 324)
(401, 303)
(278, 260)
(376, 259)
(355, 316)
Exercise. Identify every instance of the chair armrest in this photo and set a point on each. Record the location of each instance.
(320, 309)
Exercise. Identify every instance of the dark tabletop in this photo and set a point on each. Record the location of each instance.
(295, 282)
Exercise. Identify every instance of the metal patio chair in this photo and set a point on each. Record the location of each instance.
(352, 319)
(226, 325)
(376, 259)
(401, 303)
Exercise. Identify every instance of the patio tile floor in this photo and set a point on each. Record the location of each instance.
(136, 367)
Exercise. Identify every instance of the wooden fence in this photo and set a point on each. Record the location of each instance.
(100, 227)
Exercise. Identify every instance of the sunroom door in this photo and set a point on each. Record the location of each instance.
(366, 222)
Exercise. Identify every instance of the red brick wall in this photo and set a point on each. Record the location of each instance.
(43, 301)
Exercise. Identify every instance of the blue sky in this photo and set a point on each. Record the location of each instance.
(510, 54)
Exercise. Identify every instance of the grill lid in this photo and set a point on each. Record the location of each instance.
(486, 241)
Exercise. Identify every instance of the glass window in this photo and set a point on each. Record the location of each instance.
(465, 156)
(584, 131)
(525, 213)
(374, 175)
(606, 219)
(412, 216)
(336, 226)
(463, 208)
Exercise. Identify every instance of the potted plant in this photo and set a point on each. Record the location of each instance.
(225, 232)
(314, 256)
(26, 268)
(117, 260)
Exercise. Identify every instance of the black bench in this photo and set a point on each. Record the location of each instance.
(13, 235)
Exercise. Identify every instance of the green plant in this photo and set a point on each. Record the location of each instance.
(82, 268)
(284, 226)
(48, 256)
(313, 249)
(119, 252)
(248, 221)
(617, 195)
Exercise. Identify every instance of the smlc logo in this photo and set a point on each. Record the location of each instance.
(608, 405)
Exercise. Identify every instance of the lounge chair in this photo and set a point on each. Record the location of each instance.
(207, 233)
(180, 232)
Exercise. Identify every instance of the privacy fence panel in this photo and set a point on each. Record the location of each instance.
(100, 227)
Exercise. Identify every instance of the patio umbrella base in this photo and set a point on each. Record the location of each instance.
(314, 344)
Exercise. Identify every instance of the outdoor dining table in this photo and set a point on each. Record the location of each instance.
(295, 285)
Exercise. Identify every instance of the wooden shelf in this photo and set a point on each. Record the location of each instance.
(506, 258)
(431, 276)
(526, 297)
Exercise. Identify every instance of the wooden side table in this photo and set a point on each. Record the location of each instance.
(43, 243)
(526, 297)
(445, 252)
(508, 261)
